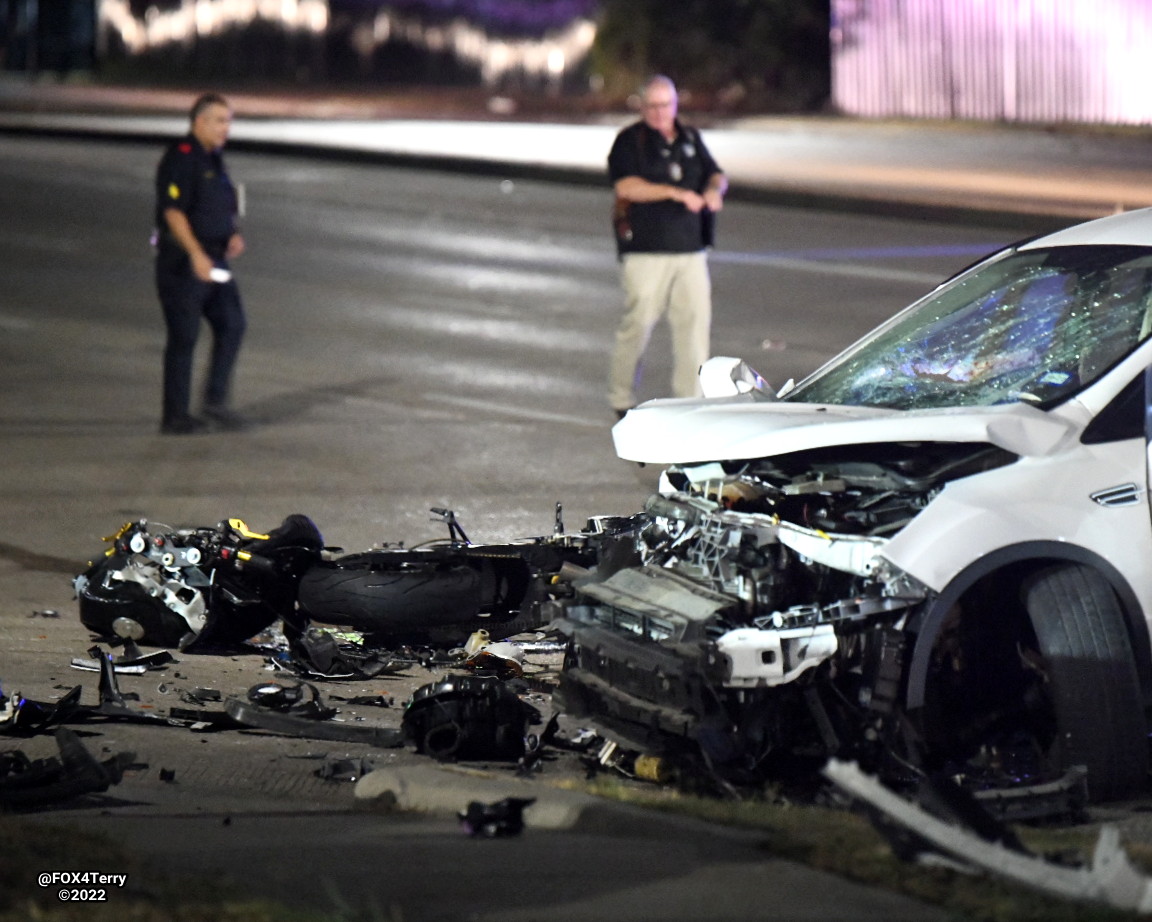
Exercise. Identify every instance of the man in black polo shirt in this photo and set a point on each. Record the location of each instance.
(667, 189)
(196, 237)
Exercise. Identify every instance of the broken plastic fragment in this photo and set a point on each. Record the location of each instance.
(284, 710)
(1111, 878)
(26, 783)
(497, 820)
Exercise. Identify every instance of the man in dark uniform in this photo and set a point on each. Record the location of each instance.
(197, 236)
(668, 187)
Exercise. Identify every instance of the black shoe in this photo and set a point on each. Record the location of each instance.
(183, 425)
(620, 414)
(223, 418)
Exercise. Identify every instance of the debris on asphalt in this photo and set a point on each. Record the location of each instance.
(379, 701)
(132, 662)
(30, 783)
(503, 660)
(300, 711)
(632, 764)
(113, 702)
(25, 717)
(324, 654)
(468, 717)
(344, 769)
(497, 820)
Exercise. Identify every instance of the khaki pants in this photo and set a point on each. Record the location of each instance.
(655, 284)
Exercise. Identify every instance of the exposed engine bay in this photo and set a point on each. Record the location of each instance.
(757, 617)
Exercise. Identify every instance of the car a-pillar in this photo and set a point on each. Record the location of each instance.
(1033, 660)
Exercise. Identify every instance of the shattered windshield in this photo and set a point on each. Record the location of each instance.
(1035, 326)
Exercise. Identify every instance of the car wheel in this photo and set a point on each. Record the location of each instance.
(1091, 678)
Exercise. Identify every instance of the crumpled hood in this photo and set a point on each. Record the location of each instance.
(741, 428)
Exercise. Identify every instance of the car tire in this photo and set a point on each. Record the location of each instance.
(1092, 681)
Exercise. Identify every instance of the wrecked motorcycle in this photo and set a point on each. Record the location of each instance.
(223, 584)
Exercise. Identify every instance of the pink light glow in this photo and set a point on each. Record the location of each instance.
(1010, 60)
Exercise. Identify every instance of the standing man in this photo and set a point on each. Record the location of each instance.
(197, 236)
(668, 187)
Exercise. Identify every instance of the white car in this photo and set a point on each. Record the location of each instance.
(932, 554)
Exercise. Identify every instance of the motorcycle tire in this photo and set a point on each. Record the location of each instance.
(366, 593)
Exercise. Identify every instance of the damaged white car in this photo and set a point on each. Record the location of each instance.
(934, 554)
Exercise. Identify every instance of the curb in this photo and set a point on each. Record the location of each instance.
(442, 789)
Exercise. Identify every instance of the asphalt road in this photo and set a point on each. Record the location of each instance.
(416, 339)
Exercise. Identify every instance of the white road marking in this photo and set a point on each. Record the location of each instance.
(821, 267)
(526, 413)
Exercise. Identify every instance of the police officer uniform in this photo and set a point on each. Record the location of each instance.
(663, 264)
(194, 181)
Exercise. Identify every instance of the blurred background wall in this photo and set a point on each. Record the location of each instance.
(1039, 61)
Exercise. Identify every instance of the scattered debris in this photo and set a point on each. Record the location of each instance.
(344, 769)
(113, 702)
(468, 717)
(632, 764)
(96, 663)
(503, 660)
(1111, 878)
(201, 695)
(289, 711)
(29, 783)
(379, 701)
(535, 747)
(1063, 800)
(323, 654)
(497, 820)
(25, 717)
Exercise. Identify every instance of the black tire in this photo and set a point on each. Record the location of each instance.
(1092, 681)
(380, 600)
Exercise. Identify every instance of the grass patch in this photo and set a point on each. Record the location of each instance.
(845, 842)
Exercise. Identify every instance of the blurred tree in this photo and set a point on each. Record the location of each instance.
(729, 54)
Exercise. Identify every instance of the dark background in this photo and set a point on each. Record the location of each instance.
(726, 55)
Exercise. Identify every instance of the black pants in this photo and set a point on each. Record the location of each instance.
(185, 300)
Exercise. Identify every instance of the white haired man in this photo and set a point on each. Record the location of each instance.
(668, 187)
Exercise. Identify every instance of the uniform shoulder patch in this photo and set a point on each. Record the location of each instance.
(173, 191)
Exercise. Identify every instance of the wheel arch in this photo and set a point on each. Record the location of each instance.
(1021, 558)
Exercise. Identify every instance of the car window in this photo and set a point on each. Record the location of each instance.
(1033, 325)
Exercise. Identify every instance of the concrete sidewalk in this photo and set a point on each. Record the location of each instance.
(1044, 177)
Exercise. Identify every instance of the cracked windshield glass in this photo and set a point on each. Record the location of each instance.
(1034, 326)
